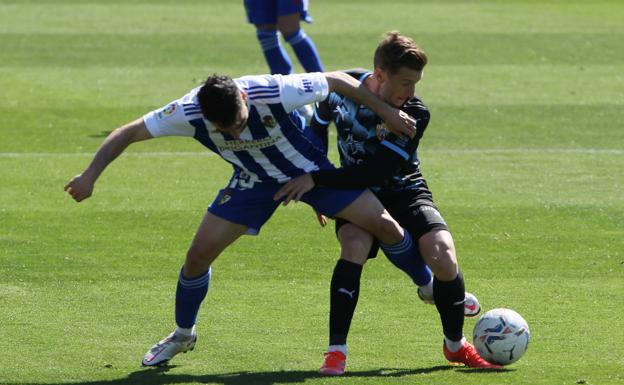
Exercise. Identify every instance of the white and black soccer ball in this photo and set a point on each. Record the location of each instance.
(501, 336)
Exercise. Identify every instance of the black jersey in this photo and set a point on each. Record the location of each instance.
(369, 154)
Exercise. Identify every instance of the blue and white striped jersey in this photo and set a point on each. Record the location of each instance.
(272, 147)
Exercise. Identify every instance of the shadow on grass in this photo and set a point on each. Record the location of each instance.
(159, 376)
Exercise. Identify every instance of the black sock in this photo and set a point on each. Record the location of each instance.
(449, 299)
(344, 293)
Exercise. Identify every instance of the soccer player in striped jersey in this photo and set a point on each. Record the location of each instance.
(388, 164)
(251, 122)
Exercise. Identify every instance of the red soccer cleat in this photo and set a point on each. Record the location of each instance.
(468, 356)
(334, 364)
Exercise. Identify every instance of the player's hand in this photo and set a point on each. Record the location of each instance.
(400, 123)
(80, 187)
(294, 189)
(322, 219)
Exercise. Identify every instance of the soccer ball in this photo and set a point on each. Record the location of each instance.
(501, 336)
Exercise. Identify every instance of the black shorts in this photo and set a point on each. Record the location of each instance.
(416, 214)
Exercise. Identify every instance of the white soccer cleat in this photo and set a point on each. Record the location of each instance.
(428, 299)
(472, 307)
(166, 349)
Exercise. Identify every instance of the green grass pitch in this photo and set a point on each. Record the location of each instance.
(524, 153)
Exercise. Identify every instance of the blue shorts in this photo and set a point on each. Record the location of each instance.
(267, 11)
(252, 204)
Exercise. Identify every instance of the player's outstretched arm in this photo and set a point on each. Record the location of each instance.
(370, 173)
(396, 120)
(80, 187)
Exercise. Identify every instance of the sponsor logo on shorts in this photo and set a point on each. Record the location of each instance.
(424, 208)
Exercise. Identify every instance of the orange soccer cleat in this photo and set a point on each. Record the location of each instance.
(334, 364)
(468, 356)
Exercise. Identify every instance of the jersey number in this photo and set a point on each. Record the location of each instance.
(242, 181)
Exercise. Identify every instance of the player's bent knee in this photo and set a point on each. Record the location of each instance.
(438, 250)
(448, 272)
(197, 261)
(288, 24)
(354, 250)
(355, 244)
(443, 264)
(353, 256)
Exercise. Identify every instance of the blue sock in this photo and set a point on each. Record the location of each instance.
(189, 295)
(405, 256)
(275, 55)
(305, 50)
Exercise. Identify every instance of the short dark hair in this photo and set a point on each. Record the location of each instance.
(396, 51)
(219, 100)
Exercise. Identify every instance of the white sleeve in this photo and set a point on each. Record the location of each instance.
(301, 89)
(169, 120)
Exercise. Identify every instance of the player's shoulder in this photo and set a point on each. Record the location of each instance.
(358, 73)
(415, 102)
(261, 89)
(277, 81)
(254, 82)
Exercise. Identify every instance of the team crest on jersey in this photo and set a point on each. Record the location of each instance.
(166, 112)
(269, 121)
(381, 131)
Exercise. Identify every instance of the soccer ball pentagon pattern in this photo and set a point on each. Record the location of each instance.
(501, 336)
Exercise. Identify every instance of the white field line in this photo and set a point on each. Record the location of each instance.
(90, 154)
(597, 151)
(601, 151)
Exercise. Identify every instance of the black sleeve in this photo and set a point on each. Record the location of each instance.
(320, 122)
(372, 172)
(419, 111)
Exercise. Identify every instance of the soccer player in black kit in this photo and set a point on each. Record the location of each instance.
(387, 164)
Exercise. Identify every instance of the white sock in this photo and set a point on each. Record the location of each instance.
(427, 290)
(338, 348)
(454, 346)
(185, 332)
